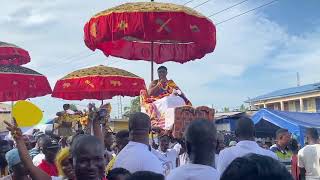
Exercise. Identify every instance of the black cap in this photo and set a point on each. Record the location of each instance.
(50, 143)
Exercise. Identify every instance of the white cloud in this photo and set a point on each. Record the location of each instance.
(300, 54)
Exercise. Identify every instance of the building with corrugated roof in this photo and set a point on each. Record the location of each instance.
(299, 99)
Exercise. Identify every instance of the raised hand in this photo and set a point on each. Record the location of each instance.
(14, 129)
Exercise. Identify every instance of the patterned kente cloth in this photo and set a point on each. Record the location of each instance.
(156, 106)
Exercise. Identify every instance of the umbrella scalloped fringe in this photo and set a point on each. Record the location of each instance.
(12, 54)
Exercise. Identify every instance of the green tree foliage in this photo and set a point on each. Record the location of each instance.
(226, 109)
(243, 108)
(134, 107)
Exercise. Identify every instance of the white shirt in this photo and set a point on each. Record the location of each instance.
(194, 172)
(308, 158)
(56, 178)
(242, 148)
(183, 159)
(168, 159)
(137, 157)
(9, 177)
(215, 162)
(38, 159)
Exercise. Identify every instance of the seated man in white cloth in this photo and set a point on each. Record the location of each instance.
(163, 94)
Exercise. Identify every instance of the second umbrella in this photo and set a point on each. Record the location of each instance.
(99, 82)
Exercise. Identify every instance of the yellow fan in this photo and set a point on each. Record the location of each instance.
(26, 114)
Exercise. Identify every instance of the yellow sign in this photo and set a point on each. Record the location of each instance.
(26, 114)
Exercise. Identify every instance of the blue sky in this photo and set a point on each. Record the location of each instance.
(256, 53)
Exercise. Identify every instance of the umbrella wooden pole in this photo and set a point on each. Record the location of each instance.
(152, 78)
(152, 73)
(11, 115)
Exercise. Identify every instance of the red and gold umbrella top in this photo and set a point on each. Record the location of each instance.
(99, 82)
(12, 54)
(19, 83)
(149, 30)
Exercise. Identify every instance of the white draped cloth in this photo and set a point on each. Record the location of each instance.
(165, 108)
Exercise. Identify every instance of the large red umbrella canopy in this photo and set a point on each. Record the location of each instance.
(12, 54)
(20, 83)
(99, 82)
(158, 32)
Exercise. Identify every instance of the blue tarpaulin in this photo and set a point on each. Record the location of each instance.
(295, 122)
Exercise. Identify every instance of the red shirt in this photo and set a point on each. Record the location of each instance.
(295, 171)
(50, 169)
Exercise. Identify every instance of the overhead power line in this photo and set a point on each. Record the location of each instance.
(187, 2)
(201, 4)
(237, 4)
(246, 12)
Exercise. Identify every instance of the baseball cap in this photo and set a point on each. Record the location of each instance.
(37, 135)
(50, 143)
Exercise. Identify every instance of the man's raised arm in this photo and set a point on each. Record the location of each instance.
(153, 88)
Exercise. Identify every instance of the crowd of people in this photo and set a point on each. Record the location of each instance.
(129, 154)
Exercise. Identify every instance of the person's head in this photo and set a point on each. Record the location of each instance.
(4, 148)
(40, 140)
(50, 148)
(118, 174)
(265, 146)
(220, 143)
(293, 146)
(162, 72)
(312, 135)
(164, 142)
(200, 139)
(245, 129)
(66, 107)
(122, 139)
(146, 175)
(256, 167)
(28, 142)
(108, 140)
(88, 158)
(64, 163)
(14, 163)
(283, 137)
(139, 127)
